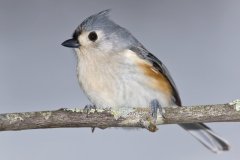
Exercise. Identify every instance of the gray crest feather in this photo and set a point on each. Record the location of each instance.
(99, 20)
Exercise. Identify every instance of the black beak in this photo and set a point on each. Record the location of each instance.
(71, 43)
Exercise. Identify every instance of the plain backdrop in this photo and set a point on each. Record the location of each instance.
(197, 40)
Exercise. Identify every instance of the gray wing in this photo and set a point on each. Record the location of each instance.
(159, 66)
(199, 130)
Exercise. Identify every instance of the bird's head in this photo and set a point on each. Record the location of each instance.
(99, 33)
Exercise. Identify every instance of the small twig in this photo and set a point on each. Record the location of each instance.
(124, 117)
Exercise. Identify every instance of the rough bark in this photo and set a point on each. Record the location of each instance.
(124, 117)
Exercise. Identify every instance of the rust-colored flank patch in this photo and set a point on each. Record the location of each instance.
(159, 81)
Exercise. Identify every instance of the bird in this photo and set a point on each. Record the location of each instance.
(115, 70)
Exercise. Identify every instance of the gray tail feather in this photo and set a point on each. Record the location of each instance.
(206, 136)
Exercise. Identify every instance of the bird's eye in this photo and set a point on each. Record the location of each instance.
(93, 36)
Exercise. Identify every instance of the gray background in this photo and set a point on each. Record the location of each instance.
(197, 40)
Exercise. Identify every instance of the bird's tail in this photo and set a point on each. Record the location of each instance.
(206, 136)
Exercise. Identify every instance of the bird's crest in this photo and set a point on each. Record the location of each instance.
(96, 21)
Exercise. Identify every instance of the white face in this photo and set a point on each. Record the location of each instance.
(96, 41)
(90, 38)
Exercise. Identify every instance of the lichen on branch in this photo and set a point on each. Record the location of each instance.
(122, 117)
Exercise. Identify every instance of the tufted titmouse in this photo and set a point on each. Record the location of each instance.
(115, 70)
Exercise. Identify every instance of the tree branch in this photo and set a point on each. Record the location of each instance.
(124, 117)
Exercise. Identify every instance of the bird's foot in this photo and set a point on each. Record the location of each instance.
(155, 106)
(87, 109)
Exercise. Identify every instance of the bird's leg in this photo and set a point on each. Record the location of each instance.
(87, 108)
(154, 104)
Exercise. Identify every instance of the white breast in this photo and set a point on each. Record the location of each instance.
(115, 81)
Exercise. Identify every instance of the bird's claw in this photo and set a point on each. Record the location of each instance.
(89, 107)
(155, 106)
